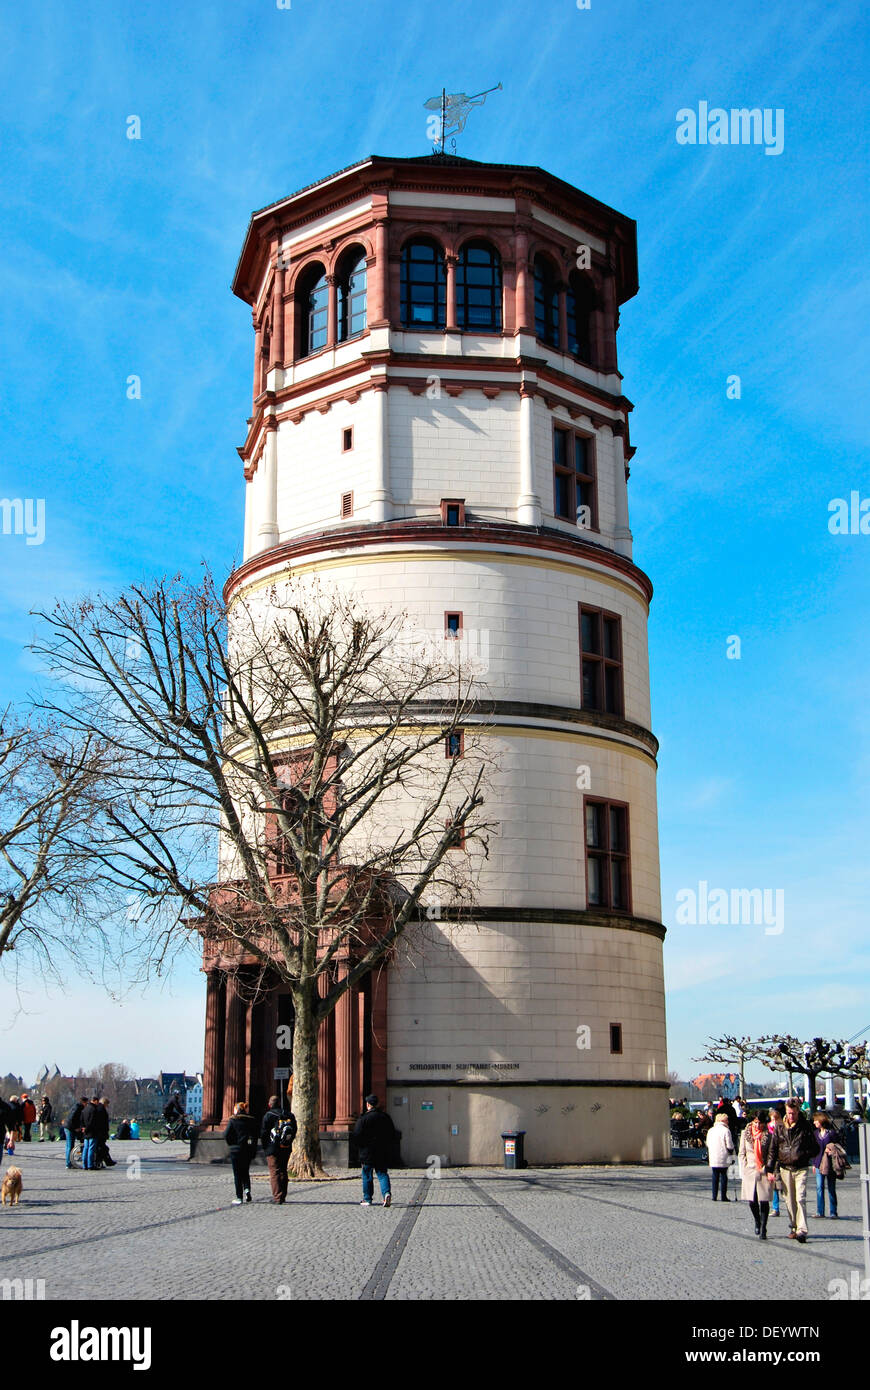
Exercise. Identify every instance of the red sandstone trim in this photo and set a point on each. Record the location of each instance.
(401, 533)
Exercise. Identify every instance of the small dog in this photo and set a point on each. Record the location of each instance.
(11, 1189)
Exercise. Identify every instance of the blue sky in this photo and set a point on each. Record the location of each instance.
(117, 259)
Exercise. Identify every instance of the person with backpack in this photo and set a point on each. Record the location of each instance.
(375, 1135)
(796, 1147)
(241, 1135)
(277, 1133)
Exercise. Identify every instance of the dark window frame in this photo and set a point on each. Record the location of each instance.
(437, 300)
(606, 856)
(346, 439)
(347, 301)
(583, 483)
(616, 1035)
(601, 661)
(466, 290)
(452, 635)
(309, 313)
(546, 287)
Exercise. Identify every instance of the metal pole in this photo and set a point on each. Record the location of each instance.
(864, 1150)
(443, 116)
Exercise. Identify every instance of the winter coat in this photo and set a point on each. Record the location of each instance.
(375, 1135)
(95, 1122)
(756, 1184)
(45, 1112)
(270, 1120)
(28, 1111)
(720, 1146)
(74, 1118)
(240, 1133)
(796, 1145)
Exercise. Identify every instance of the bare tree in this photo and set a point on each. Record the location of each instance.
(46, 779)
(300, 740)
(818, 1057)
(731, 1052)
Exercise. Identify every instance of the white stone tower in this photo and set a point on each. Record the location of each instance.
(439, 423)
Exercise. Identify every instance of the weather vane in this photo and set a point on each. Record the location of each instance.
(453, 112)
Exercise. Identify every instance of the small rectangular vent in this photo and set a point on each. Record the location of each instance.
(346, 504)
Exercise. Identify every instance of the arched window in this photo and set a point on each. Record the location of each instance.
(546, 302)
(313, 299)
(478, 287)
(352, 295)
(579, 307)
(423, 285)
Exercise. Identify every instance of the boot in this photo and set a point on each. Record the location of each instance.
(763, 1234)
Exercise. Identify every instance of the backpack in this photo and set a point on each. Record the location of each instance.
(283, 1132)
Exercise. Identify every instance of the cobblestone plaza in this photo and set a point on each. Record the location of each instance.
(630, 1233)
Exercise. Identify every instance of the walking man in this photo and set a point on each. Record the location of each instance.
(277, 1133)
(375, 1135)
(796, 1148)
(73, 1127)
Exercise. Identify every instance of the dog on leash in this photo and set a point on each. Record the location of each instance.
(11, 1189)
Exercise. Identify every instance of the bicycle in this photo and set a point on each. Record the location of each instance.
(175, 1129)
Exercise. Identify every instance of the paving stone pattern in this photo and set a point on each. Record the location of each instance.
(566, 1233)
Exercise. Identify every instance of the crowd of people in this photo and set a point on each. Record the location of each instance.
(771, 1151)
(86, 1132)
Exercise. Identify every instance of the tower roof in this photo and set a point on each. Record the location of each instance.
(381, 171)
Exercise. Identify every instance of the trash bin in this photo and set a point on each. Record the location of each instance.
(513, 1148)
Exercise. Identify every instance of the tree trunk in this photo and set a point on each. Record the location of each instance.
(305, 1161)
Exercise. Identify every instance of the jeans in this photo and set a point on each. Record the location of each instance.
(774, 1201)
(89, 1153)
(70, 1145)
(368, 1169)
(719, 1175)
(277, 1165)
(822, 1180)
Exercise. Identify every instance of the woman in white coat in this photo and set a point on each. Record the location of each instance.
(720, 1151)
(757, 1166)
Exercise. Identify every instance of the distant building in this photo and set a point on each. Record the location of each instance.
(724, 1083)
(193, 1104)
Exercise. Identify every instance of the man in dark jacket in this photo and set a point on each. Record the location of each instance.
(95, 1123)
(104, 1158)
(46, 1114)
(796, 1146)
(375, 1135)
(277, 1154)
(73, 1127)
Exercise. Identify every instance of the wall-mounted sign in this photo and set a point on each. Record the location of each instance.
(427, 1105)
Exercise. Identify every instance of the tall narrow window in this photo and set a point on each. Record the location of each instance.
(579, 307)
(352, 296)
(616, 1037)
(607, 855)
(478, 287)
(453, 625)
(423, 284)
(546, 302)
(313, 311)
(575, 493)
(601, 660)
